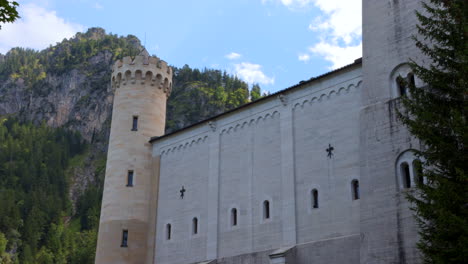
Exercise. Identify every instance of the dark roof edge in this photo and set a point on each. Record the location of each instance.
(301, 83)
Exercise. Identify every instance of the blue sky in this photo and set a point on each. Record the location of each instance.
(275, 43)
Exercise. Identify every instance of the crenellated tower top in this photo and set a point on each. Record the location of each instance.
(144, 69)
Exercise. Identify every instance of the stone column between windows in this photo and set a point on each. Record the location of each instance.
(288, 210)
(213, 197)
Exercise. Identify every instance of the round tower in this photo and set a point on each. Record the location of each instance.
(142, 85)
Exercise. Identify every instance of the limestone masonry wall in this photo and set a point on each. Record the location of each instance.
(271, 151)
(139, 112)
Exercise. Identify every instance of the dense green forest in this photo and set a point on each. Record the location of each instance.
(35, 226)
(41, 218)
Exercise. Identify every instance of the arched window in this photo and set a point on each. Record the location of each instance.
(266, 209)
(406, 176)
(234, 217)
(402, 85)
(315, 202)
(417, 172)
(168, 231)
(401, 78)
(355, 189)
(409, 170)
(195, 226)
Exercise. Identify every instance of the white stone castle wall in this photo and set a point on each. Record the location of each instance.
(318, 122)
(272, 150)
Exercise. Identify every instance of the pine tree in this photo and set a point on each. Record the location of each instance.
(436, 114)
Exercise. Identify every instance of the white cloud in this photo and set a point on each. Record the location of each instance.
(341, 20)
(338, 55)
(233, 56)
(339, 29)
(304, 57)
(252, 73)
(37, 29)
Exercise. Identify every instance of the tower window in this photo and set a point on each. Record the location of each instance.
(168, 231)
(355, 189)
(266, 210)
(315, 203)
(195, 226)
(130, 178)
(135, 123)
(124, 238)
(234, 217)
(406, 177)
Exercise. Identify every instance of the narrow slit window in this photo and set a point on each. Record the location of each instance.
(266, 210)
(234, 217)
(130, 178)
(406, 177)
(124, 238)
(355, 189)
(195, 226)
(315, 203)
(168, 231)
(135, 123)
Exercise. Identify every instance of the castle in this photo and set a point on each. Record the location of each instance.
(316, 173)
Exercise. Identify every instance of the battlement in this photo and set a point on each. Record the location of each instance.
(143, 69)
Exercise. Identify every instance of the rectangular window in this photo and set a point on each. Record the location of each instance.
(135, 123)
(124, 238)
(130, 178)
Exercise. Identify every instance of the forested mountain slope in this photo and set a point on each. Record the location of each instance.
(63, 94)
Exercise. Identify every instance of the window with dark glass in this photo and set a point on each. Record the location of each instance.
(124, 238)
(135, 123)
(417, 171)
(266, 210)
(130, 178)
(195, 226)
(315, 203)
(168, 231)
(355, 189)
(234, 217)
(406, 177)
(402, 86)
(411, 79)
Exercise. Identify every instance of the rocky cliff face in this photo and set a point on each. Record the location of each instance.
(78, 99)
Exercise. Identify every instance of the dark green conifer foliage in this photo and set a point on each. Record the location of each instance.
(8, 12)
(436, 115)
(34, 201)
